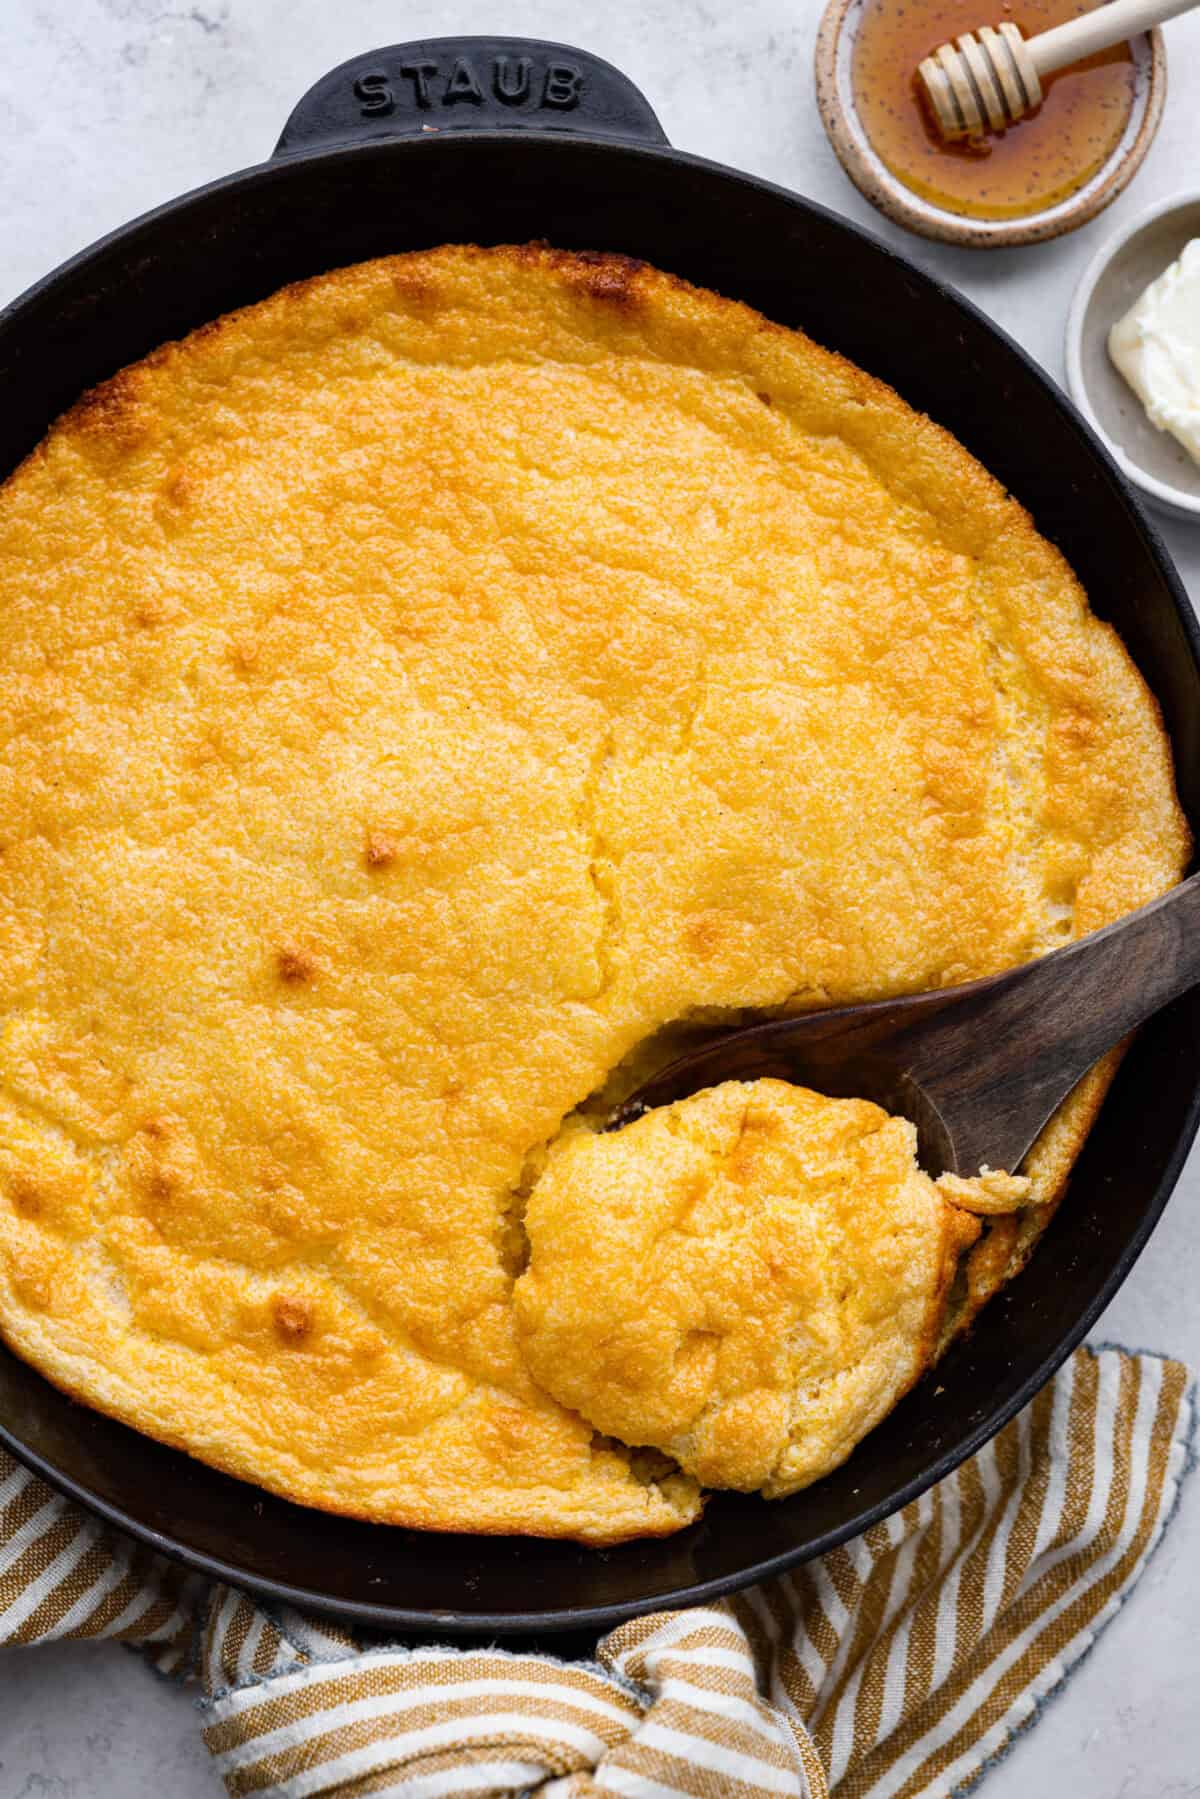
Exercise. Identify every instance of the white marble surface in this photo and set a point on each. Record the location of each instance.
(109, 106)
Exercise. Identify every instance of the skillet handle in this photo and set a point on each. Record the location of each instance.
(471, 83)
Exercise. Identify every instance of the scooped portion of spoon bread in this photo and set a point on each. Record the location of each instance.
(417, 690)
(747, 1280)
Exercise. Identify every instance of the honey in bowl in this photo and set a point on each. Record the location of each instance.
(1034, 164)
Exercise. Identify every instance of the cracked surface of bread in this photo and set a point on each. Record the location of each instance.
(747, 1280)
(415, 690)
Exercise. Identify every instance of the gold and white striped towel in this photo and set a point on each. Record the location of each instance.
(899, 1665)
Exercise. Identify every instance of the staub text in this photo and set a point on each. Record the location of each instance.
(466, 81)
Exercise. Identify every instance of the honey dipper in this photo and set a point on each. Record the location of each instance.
(987, 80)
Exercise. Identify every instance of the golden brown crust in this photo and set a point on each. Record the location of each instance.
(747, 1280)
(415, 691)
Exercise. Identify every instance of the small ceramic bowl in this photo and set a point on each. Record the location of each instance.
(1117, 274)
(836, 37)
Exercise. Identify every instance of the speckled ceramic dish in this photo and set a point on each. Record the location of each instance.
(836, 38)
(1117, 274)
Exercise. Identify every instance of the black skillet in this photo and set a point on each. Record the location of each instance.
(499, 140)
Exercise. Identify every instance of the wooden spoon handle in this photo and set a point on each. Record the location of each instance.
(979, 1068)
(1035, 1032)
(1099, 30)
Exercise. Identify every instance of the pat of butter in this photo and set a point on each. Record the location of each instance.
(1156, 346)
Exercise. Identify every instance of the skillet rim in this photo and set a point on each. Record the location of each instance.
(259, 176)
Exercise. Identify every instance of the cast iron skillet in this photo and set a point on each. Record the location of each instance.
(499, 141)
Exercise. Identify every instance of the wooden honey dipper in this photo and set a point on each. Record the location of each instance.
(987, 80)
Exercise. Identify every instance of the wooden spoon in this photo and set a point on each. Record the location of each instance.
(987, 80)
(978, 1068)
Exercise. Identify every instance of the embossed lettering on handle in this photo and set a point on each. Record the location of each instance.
(515, 81)
(472, 83)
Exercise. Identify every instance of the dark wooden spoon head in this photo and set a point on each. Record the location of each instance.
(853, 1052)
(979, 1069)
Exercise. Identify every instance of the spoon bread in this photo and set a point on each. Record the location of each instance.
(420, 691)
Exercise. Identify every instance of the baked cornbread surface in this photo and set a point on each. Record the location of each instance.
(747, 1280)
(417, 690)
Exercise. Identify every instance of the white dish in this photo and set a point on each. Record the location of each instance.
(1156, 464)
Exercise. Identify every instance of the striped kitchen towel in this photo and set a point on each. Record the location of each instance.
(901, 1664)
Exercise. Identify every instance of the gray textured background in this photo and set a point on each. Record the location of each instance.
(110, 106)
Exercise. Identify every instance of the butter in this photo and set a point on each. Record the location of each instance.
(1156, 346)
